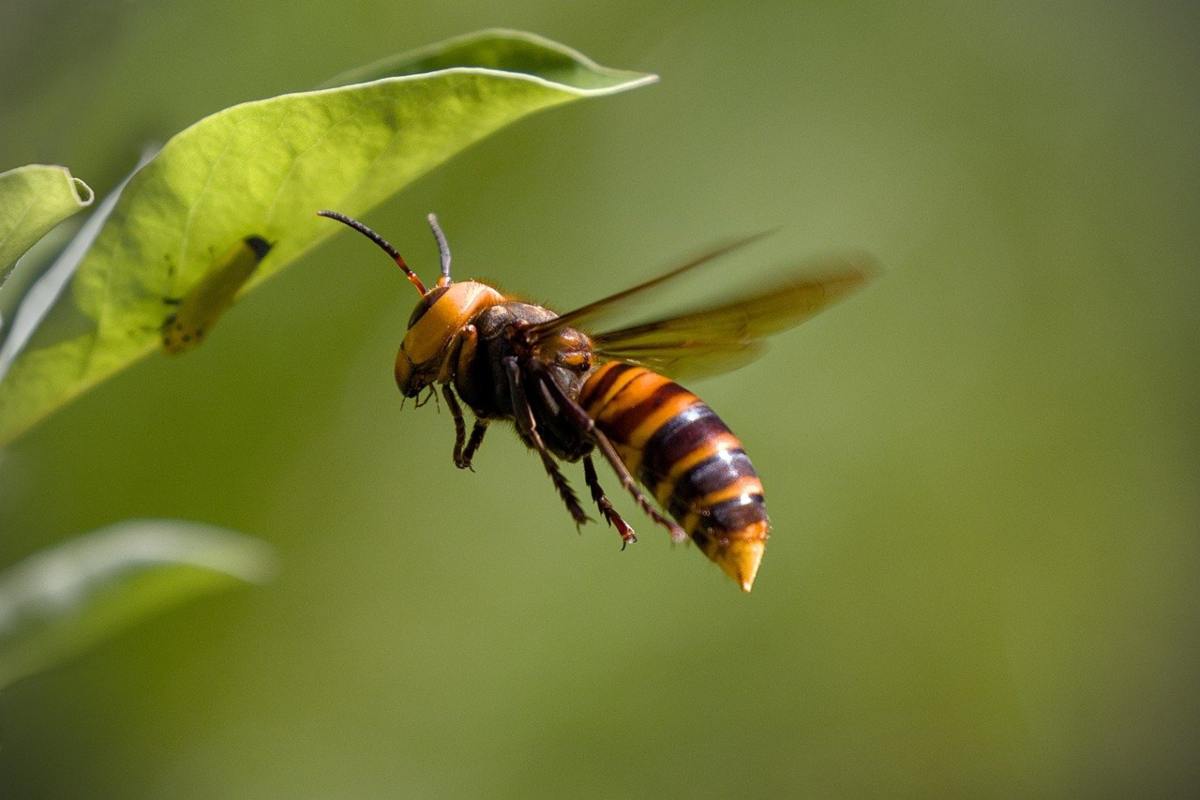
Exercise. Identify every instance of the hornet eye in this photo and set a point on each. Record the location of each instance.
(424, 304)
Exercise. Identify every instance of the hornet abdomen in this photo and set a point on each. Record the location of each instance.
(688, 458)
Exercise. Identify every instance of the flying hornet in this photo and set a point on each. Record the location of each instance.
(573, 390)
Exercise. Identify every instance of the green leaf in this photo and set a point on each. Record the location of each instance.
(59, 602)
(33, 199)
(40, 295)
(263, 169)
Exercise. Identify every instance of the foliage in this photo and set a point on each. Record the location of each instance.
(58, 602)
(263, 169)
(33, 199)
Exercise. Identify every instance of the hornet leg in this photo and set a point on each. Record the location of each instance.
(606, 507)
(459, 357)
(462, 459)
(460, 428)
(588, 426)
(528, 425)
(473, 443)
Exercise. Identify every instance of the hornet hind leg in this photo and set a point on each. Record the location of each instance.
(587, 426)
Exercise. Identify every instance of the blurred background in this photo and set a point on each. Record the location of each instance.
(982, 470)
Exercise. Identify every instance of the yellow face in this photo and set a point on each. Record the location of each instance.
(437, 320)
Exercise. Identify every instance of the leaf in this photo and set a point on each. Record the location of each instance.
(57, 603)
(263, 169)
(40, 297)
(33, 199)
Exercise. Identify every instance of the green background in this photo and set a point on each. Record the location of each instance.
(982, 470)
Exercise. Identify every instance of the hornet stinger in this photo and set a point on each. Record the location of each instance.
(573, 389)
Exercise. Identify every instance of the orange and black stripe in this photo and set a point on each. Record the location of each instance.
(688, 458)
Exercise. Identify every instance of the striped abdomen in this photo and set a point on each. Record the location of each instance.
(687, 458)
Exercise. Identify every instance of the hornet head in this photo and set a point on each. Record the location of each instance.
(439, 317)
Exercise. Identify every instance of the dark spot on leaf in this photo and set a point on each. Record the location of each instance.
(259, 245)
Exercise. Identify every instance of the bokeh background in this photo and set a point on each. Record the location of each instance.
(982, 470)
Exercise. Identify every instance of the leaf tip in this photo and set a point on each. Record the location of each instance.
(83, 193)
